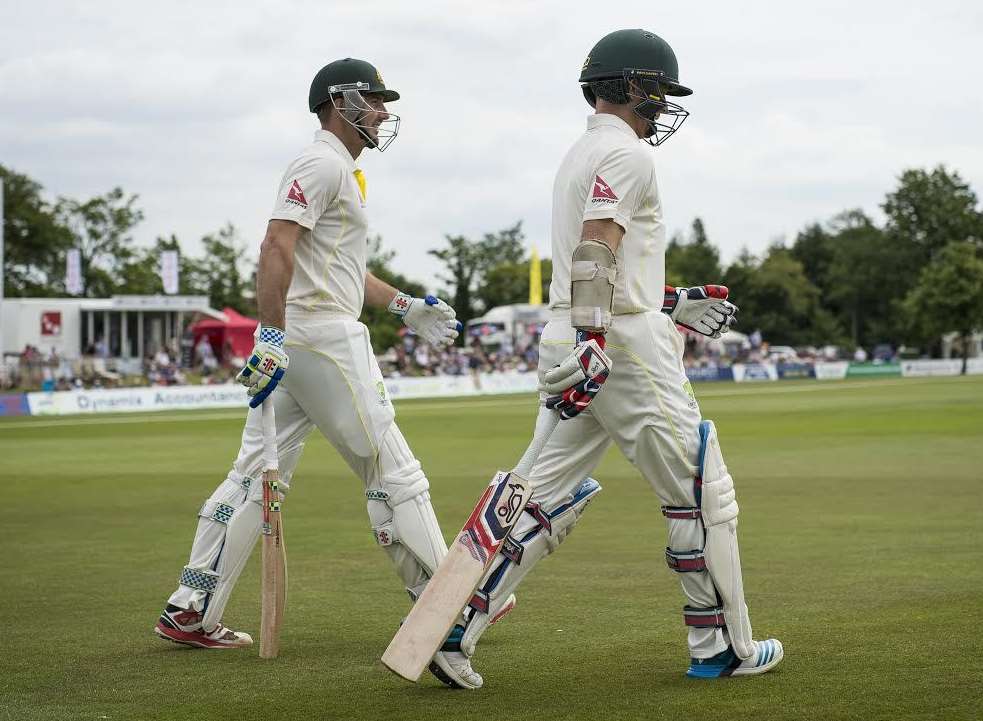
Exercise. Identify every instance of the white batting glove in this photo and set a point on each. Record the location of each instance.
(702, 308)
(430, 318)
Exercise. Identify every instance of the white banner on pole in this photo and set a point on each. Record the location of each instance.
(73, 272)
(169, 271)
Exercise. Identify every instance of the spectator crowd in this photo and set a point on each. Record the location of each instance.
(193, 362)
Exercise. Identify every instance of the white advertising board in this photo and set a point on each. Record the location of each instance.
(835, 371)
(231, 395)
(121, 400)
(755, 372)
(939, 367)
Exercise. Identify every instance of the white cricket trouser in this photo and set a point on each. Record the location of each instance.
(648, 409)
(333, 383)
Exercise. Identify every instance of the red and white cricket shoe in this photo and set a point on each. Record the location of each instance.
(504, 611)
(182, 625)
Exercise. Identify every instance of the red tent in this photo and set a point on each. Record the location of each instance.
(233, 336)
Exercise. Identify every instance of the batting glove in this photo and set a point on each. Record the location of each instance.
(430, 318)
(702, 308)
(572, 384)
(266, 365)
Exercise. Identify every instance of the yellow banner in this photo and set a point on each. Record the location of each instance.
(535, 279)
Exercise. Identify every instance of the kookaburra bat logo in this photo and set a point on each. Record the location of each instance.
(512, 505)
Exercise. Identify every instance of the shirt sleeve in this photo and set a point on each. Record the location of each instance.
(307, 189)
(618, 186)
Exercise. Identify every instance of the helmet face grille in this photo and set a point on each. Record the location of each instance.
(664, 118)
(354, 109)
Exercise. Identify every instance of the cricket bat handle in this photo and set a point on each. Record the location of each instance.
(270, 460)
(546, 423)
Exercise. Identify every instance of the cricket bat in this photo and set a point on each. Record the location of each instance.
(274, 593)
(469, 557)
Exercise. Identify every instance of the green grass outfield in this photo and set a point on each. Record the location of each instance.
(861, 527)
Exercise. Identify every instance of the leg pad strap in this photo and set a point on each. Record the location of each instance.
(712, 617)
(198, 579)
(686, 561)
(218, 511)
(681, 512)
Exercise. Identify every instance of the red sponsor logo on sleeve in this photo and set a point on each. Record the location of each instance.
(296, 195)
(602, 192)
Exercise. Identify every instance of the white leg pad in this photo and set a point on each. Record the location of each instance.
(535, 535)
(221, 546)
(723, 559)
(402, 517)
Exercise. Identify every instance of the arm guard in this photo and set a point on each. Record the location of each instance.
(592, 286)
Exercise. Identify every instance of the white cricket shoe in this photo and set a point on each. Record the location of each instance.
(452, 666)
(182, 625)
(766, 656)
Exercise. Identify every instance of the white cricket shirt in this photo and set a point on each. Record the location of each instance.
(320, 192)
(608, 173)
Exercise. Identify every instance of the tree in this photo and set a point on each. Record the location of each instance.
(696, 262)
(508, 283)
(776, 297)
(468, 262)
(949, 295)
(929, 210)
(100, 228)
(35, 242)
(141, 275)
(461, 259)
(222, 272)
(383, 326)
(813, 247)
(865, 279)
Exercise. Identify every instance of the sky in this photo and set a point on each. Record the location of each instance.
(800, 110)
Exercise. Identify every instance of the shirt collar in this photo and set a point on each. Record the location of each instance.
(606, 120)
(326, 136)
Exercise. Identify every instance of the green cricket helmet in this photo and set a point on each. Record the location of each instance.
(637, 65)
(344, 83)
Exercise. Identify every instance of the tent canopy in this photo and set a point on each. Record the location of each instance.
(231, 337)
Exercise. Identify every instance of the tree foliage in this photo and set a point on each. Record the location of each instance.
(38, 235)
(469, 265)
(846, 280)
(692, 262)
(949, 295)
(930, 209)
(777, 298)
(35, 242)
(101, 229)
(384, 327)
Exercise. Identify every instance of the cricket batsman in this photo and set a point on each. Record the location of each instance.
(313, 359)
(611, 364)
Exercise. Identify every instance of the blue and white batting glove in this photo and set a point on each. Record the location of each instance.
(430, 318)
(572, 384)
(266, 365)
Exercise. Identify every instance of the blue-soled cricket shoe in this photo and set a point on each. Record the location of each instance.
(767, 655)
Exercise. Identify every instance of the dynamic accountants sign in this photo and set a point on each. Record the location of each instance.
(126, 400)
(123, 400)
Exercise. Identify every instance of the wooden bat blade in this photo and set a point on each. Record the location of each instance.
(446, 594)
(274, 590)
